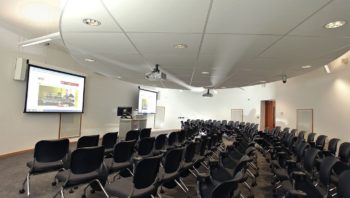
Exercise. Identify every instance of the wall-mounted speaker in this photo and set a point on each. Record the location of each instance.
(20, 69)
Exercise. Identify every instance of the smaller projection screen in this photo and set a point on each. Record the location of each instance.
(52, 91)
(147, 101)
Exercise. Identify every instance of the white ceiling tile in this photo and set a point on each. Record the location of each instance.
(160, 15)
(100, 42)
(259, 17)
(173, 60)
(161, 43)
(305, 47)
(77, 10)
(314, 26)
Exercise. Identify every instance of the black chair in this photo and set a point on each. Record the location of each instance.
(145, 147)
(320, 142)
(86, 166)
(220, 182)
(143, 183)
(172, 140)
(171, 165)
(122, 157)
(311, 138)
(48, 156)
(188, 161)
(344, 152)
(343, 190)
(332, 147)
(144, 133)
(88, 141)
(159, 143)
(108, 141)
(132, 135)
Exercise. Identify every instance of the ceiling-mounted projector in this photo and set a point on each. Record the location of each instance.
(207, 94)
(156, 74)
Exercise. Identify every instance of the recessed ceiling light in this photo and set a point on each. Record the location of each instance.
(181, 90)
(334, 24)
(326, 67)
(180, 46)
(89, 60)
(306, 66)
(119, 77)
(205, 72)
(92, 22)
(262, 81)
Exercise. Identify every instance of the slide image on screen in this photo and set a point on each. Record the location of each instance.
(53, 91)
(147, 101)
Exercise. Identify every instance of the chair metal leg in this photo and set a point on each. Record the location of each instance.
(28, 184)
(183, 184)
(62, 192)
(101, 186)
(180, 186)
(192, 173)
(130, 172)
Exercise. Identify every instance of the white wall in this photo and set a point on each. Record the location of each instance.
(327, 94)
(192, 105)
(21, 131)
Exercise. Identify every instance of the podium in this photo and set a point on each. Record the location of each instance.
(126, 125)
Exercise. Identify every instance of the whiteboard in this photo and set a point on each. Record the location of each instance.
(70, 125)
(237, 115)
(305, 120)
(159, 117)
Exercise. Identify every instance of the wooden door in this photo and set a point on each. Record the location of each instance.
(269, 114)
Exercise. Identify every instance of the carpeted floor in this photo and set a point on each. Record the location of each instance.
(13, 171)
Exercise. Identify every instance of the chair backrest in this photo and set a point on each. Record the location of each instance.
(109, 139)
(88, 141)
(144, 133)
(181, 136)
(146, 146)
(332, 145)
(86, 160)
(123, 151)
(311, 137)
(146, 172)
(344, 152)
(203, 145)
(51, 150)
(321, 141)
(326, 168)
(343, 185)
(310, 158)
(190, 152)
(172, 138)
(132, 135)
(301, 134)
(224, 189)
(173, 160)
(293, 131)
(160, 142)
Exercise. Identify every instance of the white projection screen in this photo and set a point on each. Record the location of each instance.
(52, 91)
(147, 102)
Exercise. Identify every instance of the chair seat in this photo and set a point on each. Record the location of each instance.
(165, 177)
(122, 188)
(115, 167)
(282, 174)
(109, 150)
(76, 179)
(39, 167)
(187, 165)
